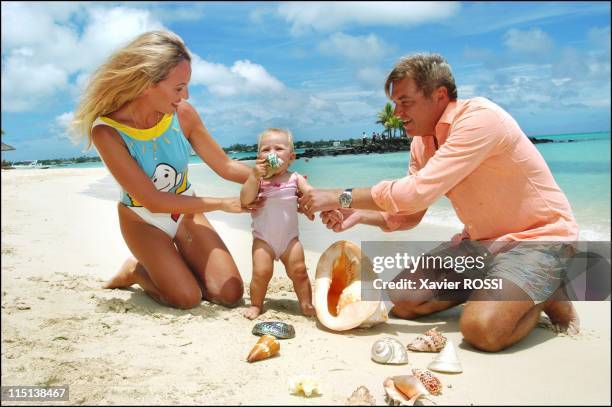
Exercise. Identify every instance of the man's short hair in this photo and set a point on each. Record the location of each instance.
(429, 72)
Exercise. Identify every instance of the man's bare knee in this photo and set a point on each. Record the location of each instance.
(483, 333)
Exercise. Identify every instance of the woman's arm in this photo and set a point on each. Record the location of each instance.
(132, 179)
(207, 148)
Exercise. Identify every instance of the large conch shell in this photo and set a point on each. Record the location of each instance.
(361, 397)
(265, 347)
(389, 351)
(306, 385)
(447, 361)
(338, 289)
(404, 390)
(430, 341)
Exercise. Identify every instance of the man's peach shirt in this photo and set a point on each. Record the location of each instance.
(496, 179)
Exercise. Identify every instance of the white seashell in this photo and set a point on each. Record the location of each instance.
(389, 351)
(361, 397)
(306, 385)
(447, 361)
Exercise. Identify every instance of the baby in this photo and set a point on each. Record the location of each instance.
(275, 226)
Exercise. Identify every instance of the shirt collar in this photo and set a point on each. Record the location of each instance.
(448, 116)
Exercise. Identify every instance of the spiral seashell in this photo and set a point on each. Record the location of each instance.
(389, 351)
(431, 382)
(431, 341)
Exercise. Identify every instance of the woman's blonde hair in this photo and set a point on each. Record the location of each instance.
(127, 73)
(275, 130)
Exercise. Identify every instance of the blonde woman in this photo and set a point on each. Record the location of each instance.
(134, 112)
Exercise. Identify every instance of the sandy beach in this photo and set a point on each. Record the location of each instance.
(59, 327)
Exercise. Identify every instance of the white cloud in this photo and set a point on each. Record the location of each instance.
(243, 77)
(600, 36)
(532, 42)
(45, 55)
(372, 77)
(356, 48)
(318, 16)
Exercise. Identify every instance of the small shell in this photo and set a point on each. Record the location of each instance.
(447, 361)
(278, 329)
(431, 382)
(306, 385)
(361, 397)
(430, 341)
(389, 351)
(403, 390)
(265, 347)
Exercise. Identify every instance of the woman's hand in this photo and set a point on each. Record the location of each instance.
(340, 220)
(233, 205)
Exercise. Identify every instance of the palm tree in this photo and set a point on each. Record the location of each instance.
(396, 124)
(384, 117)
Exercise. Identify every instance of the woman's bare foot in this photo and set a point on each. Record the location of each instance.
(562, 313)
(307, 309)
(125, 277)
(253, 312)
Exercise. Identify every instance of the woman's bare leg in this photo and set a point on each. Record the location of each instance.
(159, 269)
(208, 258)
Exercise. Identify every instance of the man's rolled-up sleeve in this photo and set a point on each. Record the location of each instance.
(472, 138)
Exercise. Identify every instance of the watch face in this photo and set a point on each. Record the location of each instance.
(345, 199)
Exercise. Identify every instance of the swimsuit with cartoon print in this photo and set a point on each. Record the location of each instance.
(163, 154)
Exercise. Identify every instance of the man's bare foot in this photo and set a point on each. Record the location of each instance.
(307, 309)
(562, 313)
(125, 276)
(253, 312)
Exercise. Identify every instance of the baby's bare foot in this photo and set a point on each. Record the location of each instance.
(307, 309)
(253, 312)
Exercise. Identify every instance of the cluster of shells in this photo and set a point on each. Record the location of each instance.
(407, 389)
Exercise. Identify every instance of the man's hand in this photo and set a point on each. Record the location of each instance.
(340, 220)
(317, 200)
(301, 207)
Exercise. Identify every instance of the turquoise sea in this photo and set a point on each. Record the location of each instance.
(581, 168)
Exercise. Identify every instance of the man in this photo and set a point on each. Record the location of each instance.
(473, 152)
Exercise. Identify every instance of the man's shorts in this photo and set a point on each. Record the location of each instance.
(537, 268)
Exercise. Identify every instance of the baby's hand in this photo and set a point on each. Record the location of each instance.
(260, 168)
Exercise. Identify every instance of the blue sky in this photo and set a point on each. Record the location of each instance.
(315, 68)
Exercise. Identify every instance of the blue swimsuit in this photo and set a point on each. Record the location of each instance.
(162, 152)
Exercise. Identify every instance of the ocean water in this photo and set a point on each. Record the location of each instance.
(581, 168)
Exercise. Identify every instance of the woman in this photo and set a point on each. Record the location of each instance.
(134, 112)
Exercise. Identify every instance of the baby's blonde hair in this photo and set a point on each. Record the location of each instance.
(143, 62)
(275, 130)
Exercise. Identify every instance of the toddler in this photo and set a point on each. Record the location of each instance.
(275, 226)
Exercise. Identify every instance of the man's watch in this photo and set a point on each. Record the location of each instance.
(346, 198)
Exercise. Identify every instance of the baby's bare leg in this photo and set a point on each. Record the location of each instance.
(263, 266)
(293, 259)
